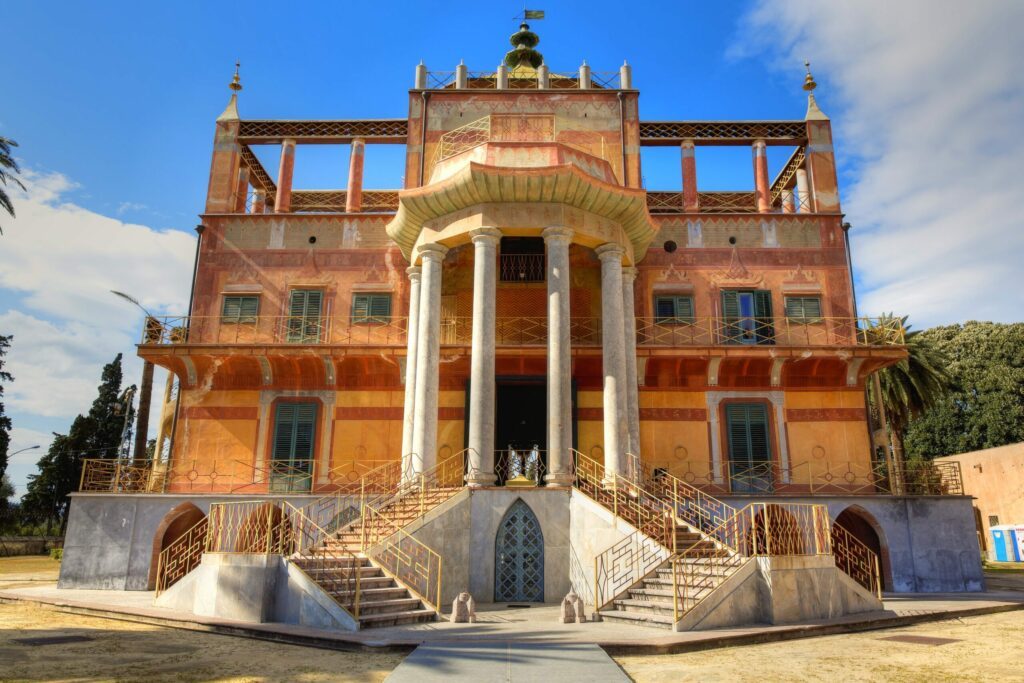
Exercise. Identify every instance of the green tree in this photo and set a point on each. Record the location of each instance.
(913, 385)
(5, 421)
(8, 170)
(986, 407)
(94, 435)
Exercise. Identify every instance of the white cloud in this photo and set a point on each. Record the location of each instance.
(125, 207)
(927, 103)
(58, 263)
(66, 259)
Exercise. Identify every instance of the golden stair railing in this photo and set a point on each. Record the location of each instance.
(857, 560)
(403, 557)
(181, 556)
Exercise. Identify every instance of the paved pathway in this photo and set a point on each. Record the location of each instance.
(507, 662)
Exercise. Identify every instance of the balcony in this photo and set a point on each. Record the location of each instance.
(526, 331)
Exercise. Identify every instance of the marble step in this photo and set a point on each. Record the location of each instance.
(393, 606)
(415, 616)
(640, 619)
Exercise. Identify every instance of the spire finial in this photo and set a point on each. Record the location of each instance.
(236, 83)
(809, 84)
(524, 55)
(813, 111)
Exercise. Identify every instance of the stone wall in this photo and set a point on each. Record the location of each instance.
(109, 539)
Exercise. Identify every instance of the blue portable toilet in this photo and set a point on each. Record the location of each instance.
(1004, 543)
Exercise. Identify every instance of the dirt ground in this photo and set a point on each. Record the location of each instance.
(126, 651)
(27, 570)
(987, 649)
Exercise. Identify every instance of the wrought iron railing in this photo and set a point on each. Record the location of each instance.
(181, 556)
(225, 476)
(522, 268)
(817, 477)
(249, 527)
(526, 331)
(624, 564)
(699, 509)
(414, 564)
(857, 560)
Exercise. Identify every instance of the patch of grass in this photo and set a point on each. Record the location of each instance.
(29, 564)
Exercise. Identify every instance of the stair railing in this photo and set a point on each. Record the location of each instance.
(181, 556)
(758, 529)
(403, 557)
(856, 559)
(336, 570)
(698, 509)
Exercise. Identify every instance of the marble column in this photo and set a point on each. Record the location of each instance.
(354, 195)
(762, 188)
(283, 201)
(632, 390)
(428, 349)
(803, 192)
(788, 205)
(481, 379)
(616, 433)
(687, 153)
(560, 472)
(412, 344)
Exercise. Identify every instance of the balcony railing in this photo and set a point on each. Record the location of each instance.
(526, 331)
(816, 477)
(522, 268)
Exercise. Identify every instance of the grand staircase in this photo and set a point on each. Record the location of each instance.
(677, 556)
(370, 566)
(381, 600)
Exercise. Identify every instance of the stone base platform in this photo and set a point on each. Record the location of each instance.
(501, 623)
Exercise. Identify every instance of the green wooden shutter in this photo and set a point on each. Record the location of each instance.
(229, 312)
(747, 426)
(664, 308)
(248, 309)
(763, 316)
(294, 426)
(304, 316)
(360, 307)
(731, 331)
(380, 307)
(803, 308)
(739, 443)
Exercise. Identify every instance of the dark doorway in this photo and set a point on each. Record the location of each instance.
(521, 425)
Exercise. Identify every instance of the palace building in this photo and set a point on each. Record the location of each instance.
(521, 374)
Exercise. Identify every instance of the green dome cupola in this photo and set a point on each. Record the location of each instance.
(524, 55)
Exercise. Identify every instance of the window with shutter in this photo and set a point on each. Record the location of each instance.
(749, 447)
(747, 317)
(371, 308)
(304, 307)
(240, 309)
(294, 437)
(674, 310)
(805, 309)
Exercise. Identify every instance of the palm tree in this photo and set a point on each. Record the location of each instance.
(8, 170)
(912, 385)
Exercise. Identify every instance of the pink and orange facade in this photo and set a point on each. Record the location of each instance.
(733, 299)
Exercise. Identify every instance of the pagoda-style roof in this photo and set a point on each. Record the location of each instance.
(564, 183)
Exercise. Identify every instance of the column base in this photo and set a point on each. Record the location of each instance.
(559, 479)
(478, 479)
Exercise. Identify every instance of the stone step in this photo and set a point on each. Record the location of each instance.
(644, 606)
(341, 586)
(391, 592)
(638, 618)
(393, 606)
(415, 616)
(315, 572)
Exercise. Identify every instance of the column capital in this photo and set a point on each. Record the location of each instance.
(610, 252)
(687, 143)
(432, 251)
(485, 235)
(759, 144)
(629, 273)
(414, 272)
(555, 233)
(288, 142)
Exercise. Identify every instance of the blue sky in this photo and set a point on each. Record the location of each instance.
(113, 104)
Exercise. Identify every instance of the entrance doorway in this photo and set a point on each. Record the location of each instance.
(519, 556)
(521, 430)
